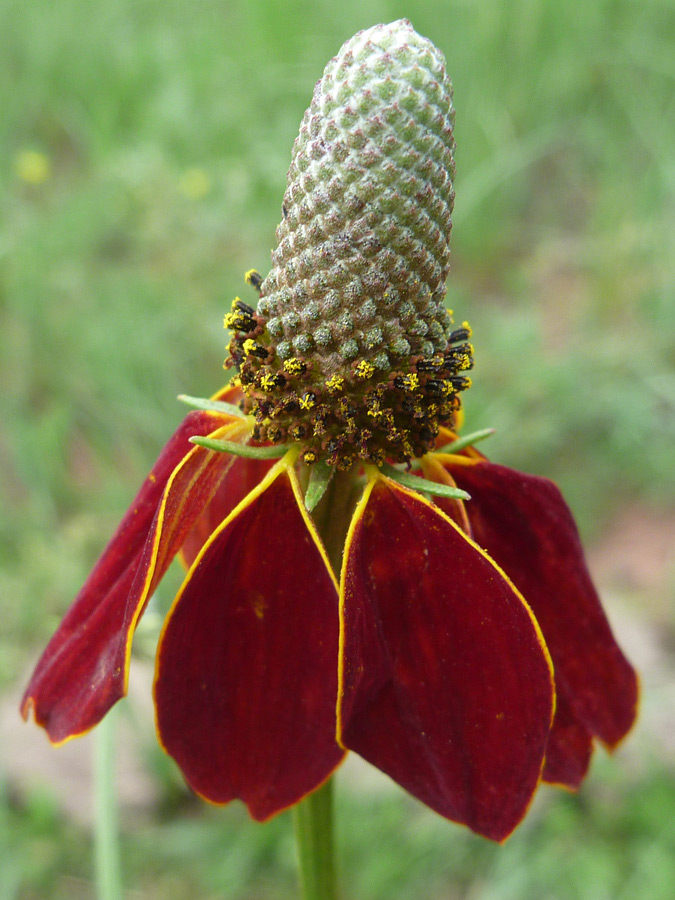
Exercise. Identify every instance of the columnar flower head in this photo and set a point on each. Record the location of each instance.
(360, 577)
(352, 351)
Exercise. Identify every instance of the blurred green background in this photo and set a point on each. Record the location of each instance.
(143, 152)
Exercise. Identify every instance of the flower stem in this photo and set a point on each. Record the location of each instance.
(107, 851)
(313, 819)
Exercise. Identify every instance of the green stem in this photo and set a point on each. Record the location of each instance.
(313, 819)
(107, 851)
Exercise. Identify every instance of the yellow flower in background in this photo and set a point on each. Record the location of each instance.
(32, 166)
(195, 184)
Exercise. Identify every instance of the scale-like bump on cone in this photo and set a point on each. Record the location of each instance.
(363, 246)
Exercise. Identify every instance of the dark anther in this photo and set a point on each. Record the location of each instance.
(435, 388)
(332, 445)
(429, 365)
(295, 366)
(459, 334)
(459, 355)
(244, 307)
(459, 382)
(239, 321)
(297, 432)
(246, 376)
(254, 279)
(252, 348)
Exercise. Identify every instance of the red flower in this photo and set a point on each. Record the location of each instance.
(437, 666)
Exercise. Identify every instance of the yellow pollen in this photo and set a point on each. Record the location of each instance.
(252, 277)
(259, 605)
(309, 456)
(335, 384)
(307, 401)
(364, 370)
(468, 329)
(268, 382)
(410, 382)
(249, 346)
(294, 366)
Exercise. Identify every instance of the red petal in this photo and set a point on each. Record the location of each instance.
(445, 681)
(454, 509)
(527, 528)
(240, 479)
(569, 748)
(242, 476)
(246, 678)
(83, 671)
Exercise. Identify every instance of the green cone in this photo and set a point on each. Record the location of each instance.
(363, 247)
(351, 352)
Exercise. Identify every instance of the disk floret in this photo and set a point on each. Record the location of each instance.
(359, 415)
